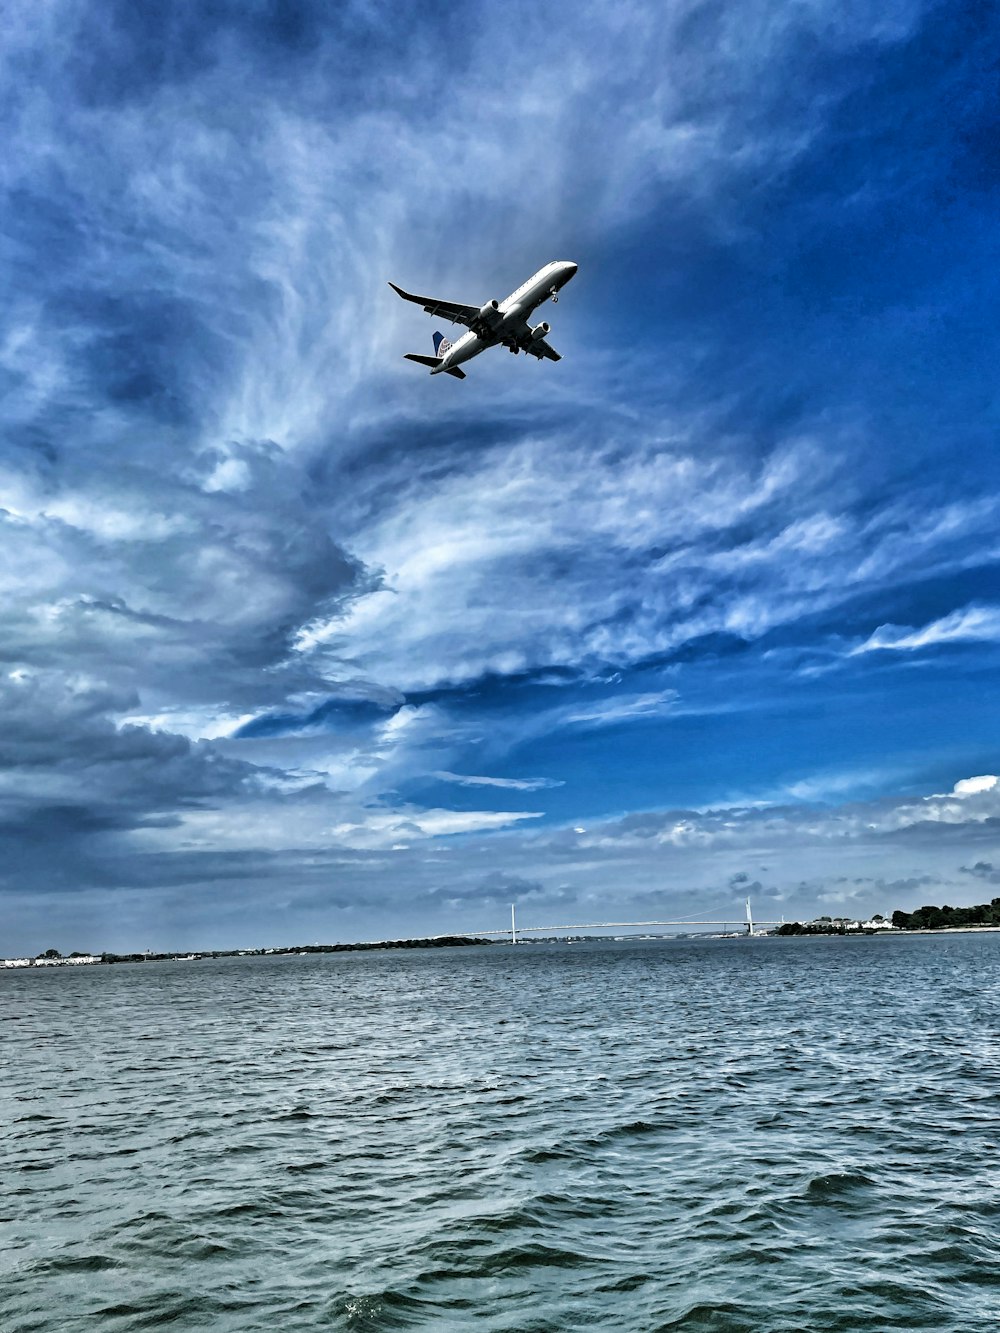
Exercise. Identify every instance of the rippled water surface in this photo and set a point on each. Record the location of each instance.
(704, 1135)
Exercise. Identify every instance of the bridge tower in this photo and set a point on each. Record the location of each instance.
(513, 926)
(749, 919)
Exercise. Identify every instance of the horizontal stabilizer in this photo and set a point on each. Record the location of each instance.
(434, 362)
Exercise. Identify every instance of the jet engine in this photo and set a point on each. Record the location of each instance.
(539, 331)
(487, 319)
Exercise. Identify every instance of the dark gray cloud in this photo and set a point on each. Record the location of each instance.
(183, 590)
(74, 782)
(984, 870)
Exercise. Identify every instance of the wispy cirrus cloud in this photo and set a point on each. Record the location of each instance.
(970, 624)
(395, 829)
(511, 784)
(623, 708)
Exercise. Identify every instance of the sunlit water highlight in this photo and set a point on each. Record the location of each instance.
(698, 1135)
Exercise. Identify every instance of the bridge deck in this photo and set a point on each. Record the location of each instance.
(614, 925)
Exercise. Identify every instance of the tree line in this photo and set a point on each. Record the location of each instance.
(934, 918)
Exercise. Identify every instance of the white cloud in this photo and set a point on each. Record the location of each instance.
(970, 624)
(548, 552)
(973, 802)
(514, 784)
(967, 787)
(207, 724)
(973, 786)
(377, 829)
(624, 708)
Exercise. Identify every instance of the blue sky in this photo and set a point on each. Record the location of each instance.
(302, 644)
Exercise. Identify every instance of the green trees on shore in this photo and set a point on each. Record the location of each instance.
(934, 918)
(922, 918)
(823, 925)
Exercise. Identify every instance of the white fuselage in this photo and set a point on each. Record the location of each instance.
(517, 307)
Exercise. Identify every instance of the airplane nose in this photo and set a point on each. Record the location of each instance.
(572, 268)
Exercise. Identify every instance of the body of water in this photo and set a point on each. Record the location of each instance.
(705, 1135)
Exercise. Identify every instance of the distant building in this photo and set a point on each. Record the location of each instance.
(51, 962)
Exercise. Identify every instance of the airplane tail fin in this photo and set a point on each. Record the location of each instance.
(441, 347)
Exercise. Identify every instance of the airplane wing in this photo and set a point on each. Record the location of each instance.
(533, 346)
(540, 348)
(458, 314)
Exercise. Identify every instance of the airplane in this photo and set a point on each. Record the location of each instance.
(495, 322)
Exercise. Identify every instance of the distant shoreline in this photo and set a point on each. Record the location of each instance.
(898, 932)
(943, 930)
(452, 941)
(109, 958)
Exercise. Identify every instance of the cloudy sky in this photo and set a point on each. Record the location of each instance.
(299, 643)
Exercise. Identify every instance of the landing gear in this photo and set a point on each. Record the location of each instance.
(554, 294)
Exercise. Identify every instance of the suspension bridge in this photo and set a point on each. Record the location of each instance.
(725, 924)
